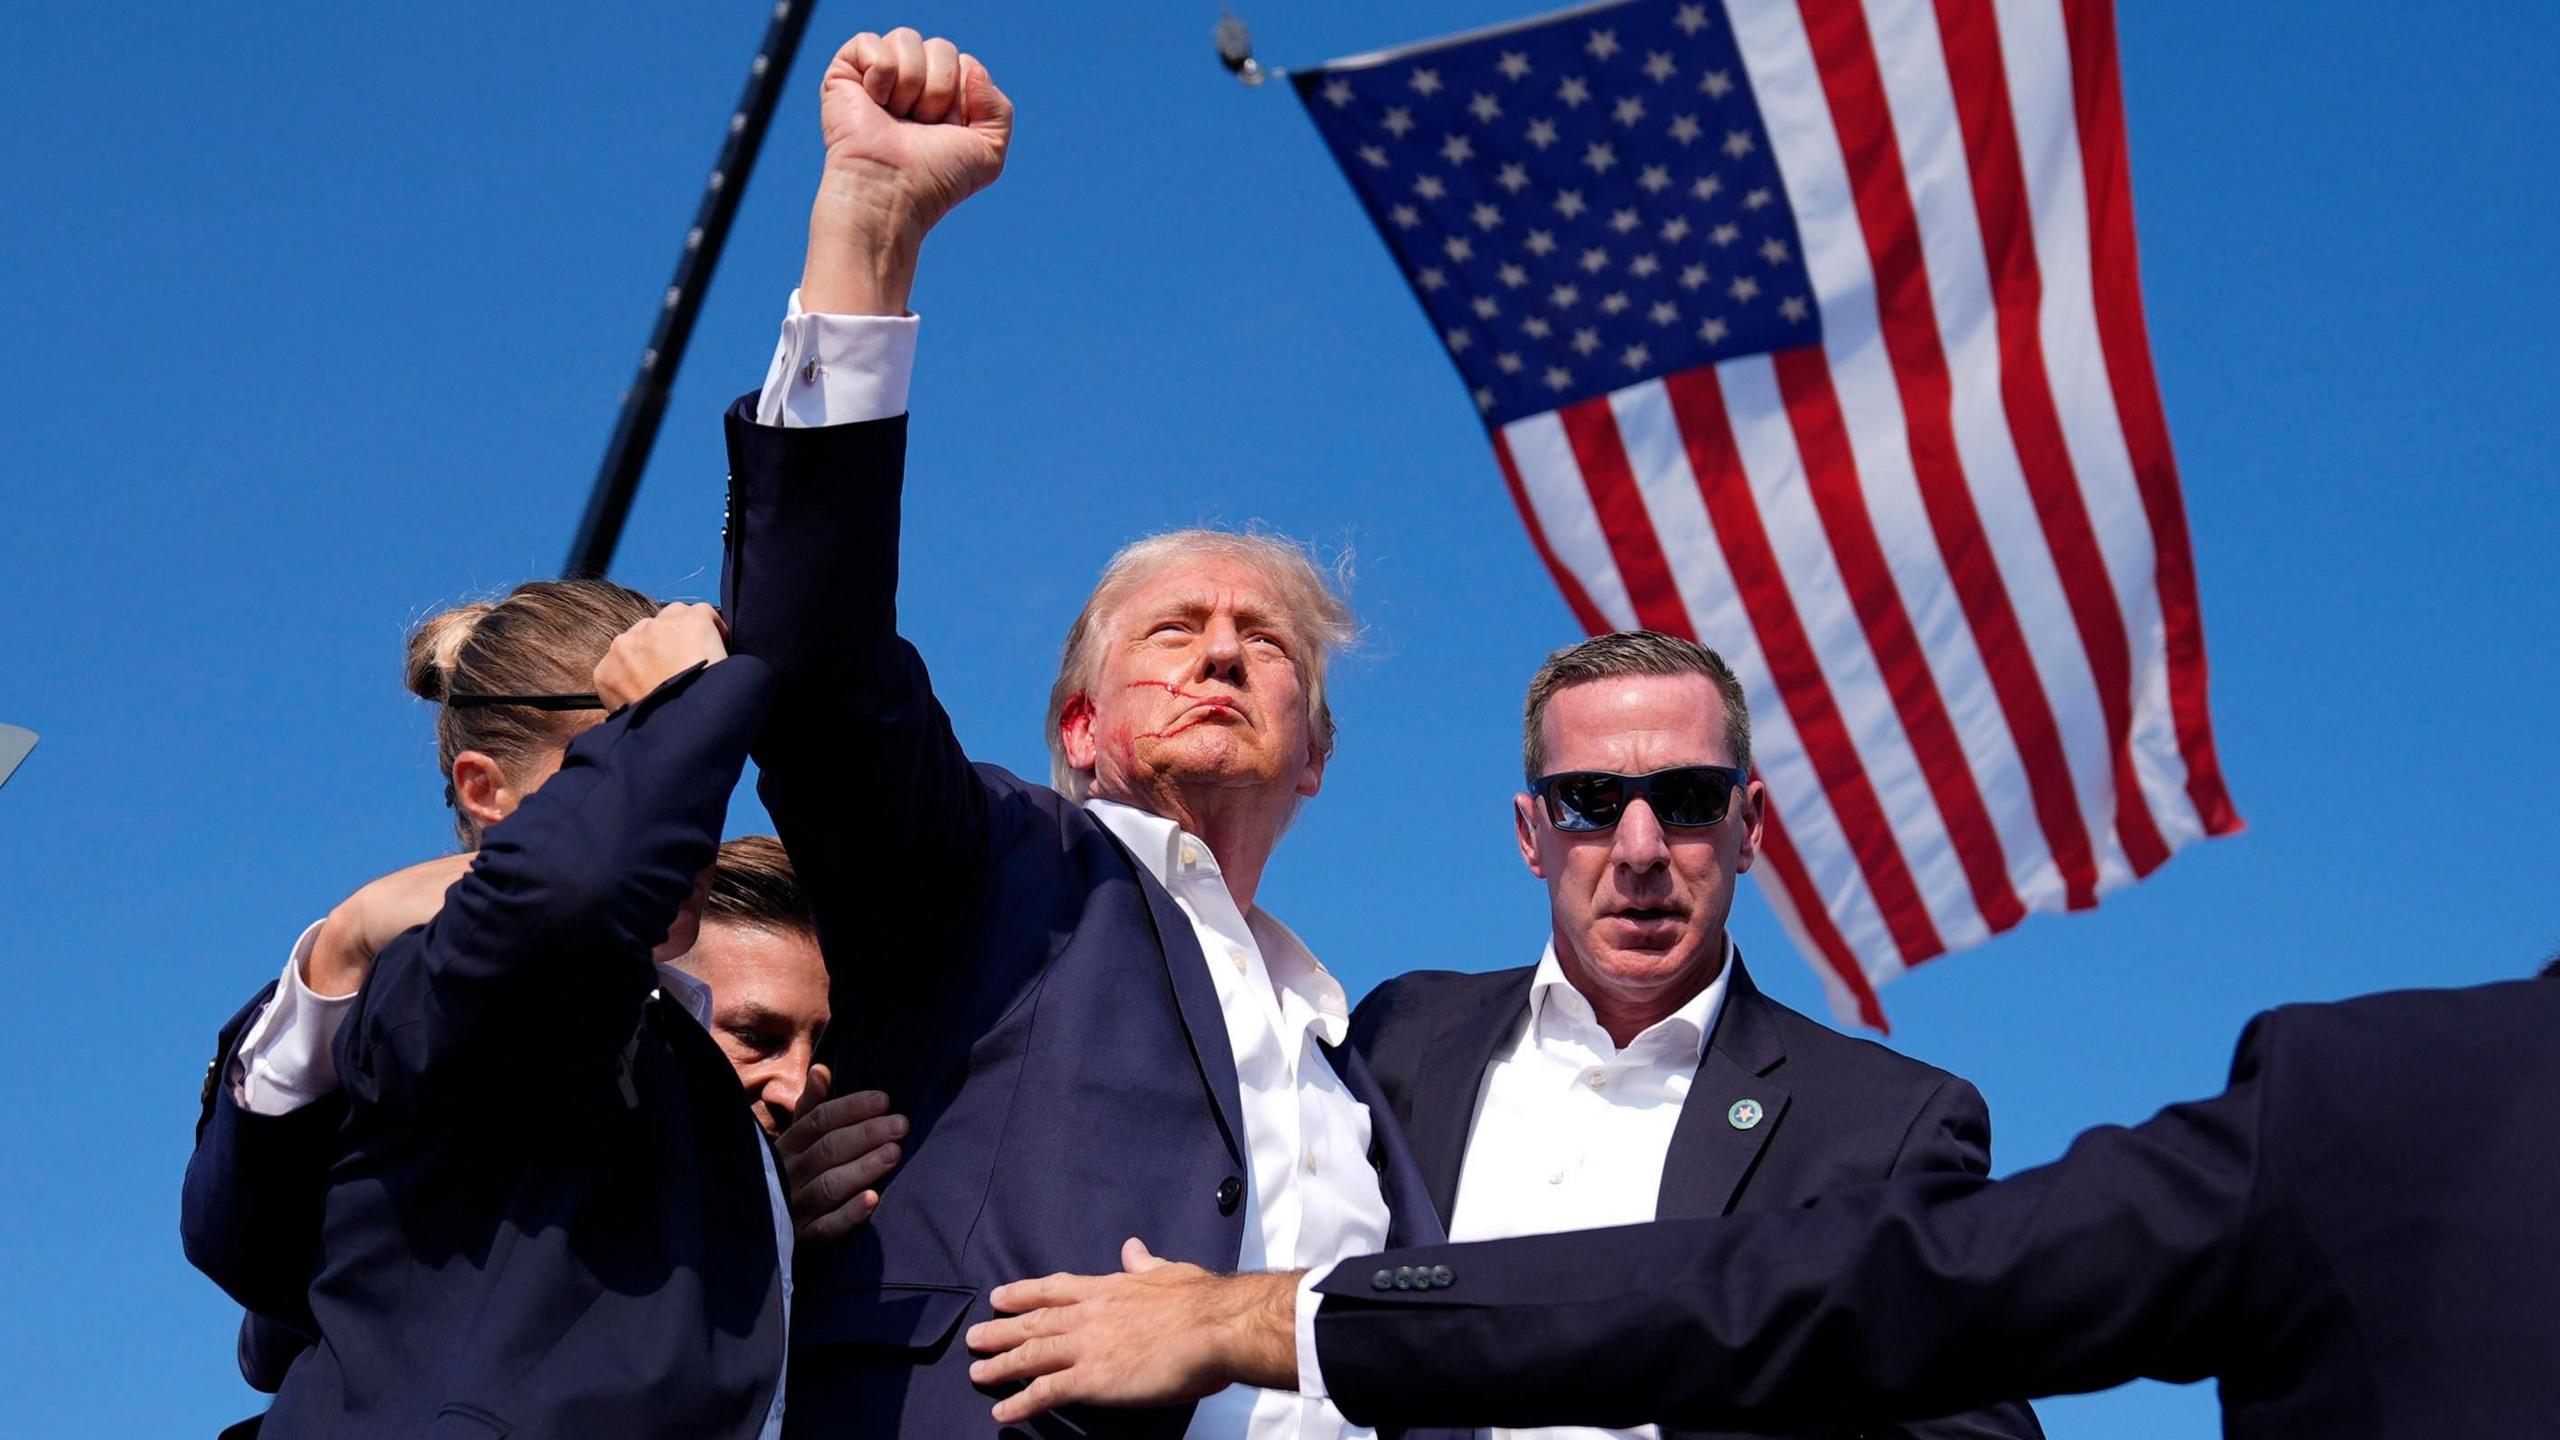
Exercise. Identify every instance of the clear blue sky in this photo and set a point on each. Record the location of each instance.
(315, 316)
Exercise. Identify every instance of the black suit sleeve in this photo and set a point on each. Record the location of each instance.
(249, 1211)
(540, 957)
(869, 790)
(1951, 1135)
(1920, 1296)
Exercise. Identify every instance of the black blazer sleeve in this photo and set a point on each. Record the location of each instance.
(1920, 1296)
(869, 790)
(249, 1212)
(1952, 1135)
(540, 956)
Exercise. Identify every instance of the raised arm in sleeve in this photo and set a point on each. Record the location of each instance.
(540, 956)
(869, 790)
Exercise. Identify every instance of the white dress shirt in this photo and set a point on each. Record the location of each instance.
(284, 1062)
(1571, 1133)
(1311, 1198)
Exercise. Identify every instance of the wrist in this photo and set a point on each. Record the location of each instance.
(865, 234)
(1258, 1338)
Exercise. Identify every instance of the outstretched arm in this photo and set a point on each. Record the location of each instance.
(1915, 1297)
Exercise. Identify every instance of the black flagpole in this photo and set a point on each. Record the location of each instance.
(645, 404)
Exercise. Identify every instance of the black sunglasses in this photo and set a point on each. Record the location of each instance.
(1685, 796)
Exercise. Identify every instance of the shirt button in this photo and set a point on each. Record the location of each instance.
(1190, 853)
(809, 372)
(1597, 1079)
(1238, 957)
(1555, 1177)
(1311, 1162)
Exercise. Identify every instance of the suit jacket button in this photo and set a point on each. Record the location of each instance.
(1230, 1195)
(1442, 1277)
(1383, 1280)
(1404, 1277)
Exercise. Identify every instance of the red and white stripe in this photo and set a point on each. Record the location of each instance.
(1945, 548)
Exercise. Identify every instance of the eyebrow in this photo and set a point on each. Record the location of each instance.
(750, 1015)
(1193, 603)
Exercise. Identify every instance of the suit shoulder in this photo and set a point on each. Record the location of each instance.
(1400, 1001)
(1820, 1055)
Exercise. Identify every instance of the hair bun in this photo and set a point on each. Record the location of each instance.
(436, 646)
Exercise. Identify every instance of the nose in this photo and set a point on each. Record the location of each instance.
(1222, 651)
(1638, 843)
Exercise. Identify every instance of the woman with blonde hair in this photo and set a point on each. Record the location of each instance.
(546, 1209)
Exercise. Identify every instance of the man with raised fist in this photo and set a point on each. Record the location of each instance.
(1068, 988)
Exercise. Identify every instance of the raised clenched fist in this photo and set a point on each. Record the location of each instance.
(912, 128)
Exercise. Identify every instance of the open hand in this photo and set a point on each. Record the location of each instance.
(834, 1154)
(1158, 1333)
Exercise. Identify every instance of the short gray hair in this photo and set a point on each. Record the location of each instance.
(1624, 653)
(1318, 615)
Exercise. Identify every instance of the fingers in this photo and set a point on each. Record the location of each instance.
(982, 105)
(1136, 1259)
(828, 1115)
(1024, 1357)
(843, 1220)
(940, 95)
(906, 54)
(1059, 1289)
(1008, 1332)
(1038, 1398)
(872, 1140)
(873, 63)
(814, 1092)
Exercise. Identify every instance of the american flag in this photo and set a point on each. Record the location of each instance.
(1811, 329)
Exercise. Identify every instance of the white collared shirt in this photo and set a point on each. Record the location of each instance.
(284, 1062)
(1310, 1197)
(1571, 1133)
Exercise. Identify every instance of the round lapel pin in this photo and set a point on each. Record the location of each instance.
(1744, 1114)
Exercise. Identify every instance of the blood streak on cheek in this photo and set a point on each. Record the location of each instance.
(1181, 694)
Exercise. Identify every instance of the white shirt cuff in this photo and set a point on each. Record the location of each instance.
(284, 1060)
(837, 369)
(1310, 1377)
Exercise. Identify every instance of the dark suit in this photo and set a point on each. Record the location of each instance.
(1020, 986)
(545, 1212)
(2360, 1238)
(1835, 1112)
(249, 1215)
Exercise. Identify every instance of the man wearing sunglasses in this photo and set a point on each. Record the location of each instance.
(1634, 1072)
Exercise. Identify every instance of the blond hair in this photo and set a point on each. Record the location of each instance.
(544, 637)
(1319, 619)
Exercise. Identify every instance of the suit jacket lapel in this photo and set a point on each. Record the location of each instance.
(1411, 1218)
(1711, 1154)
(1444, 1097)
(1196, 995)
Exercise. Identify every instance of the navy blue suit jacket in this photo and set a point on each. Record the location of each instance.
(1003, 968)
(1835, 1112)
(544, 1212)
(2357, 1237)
